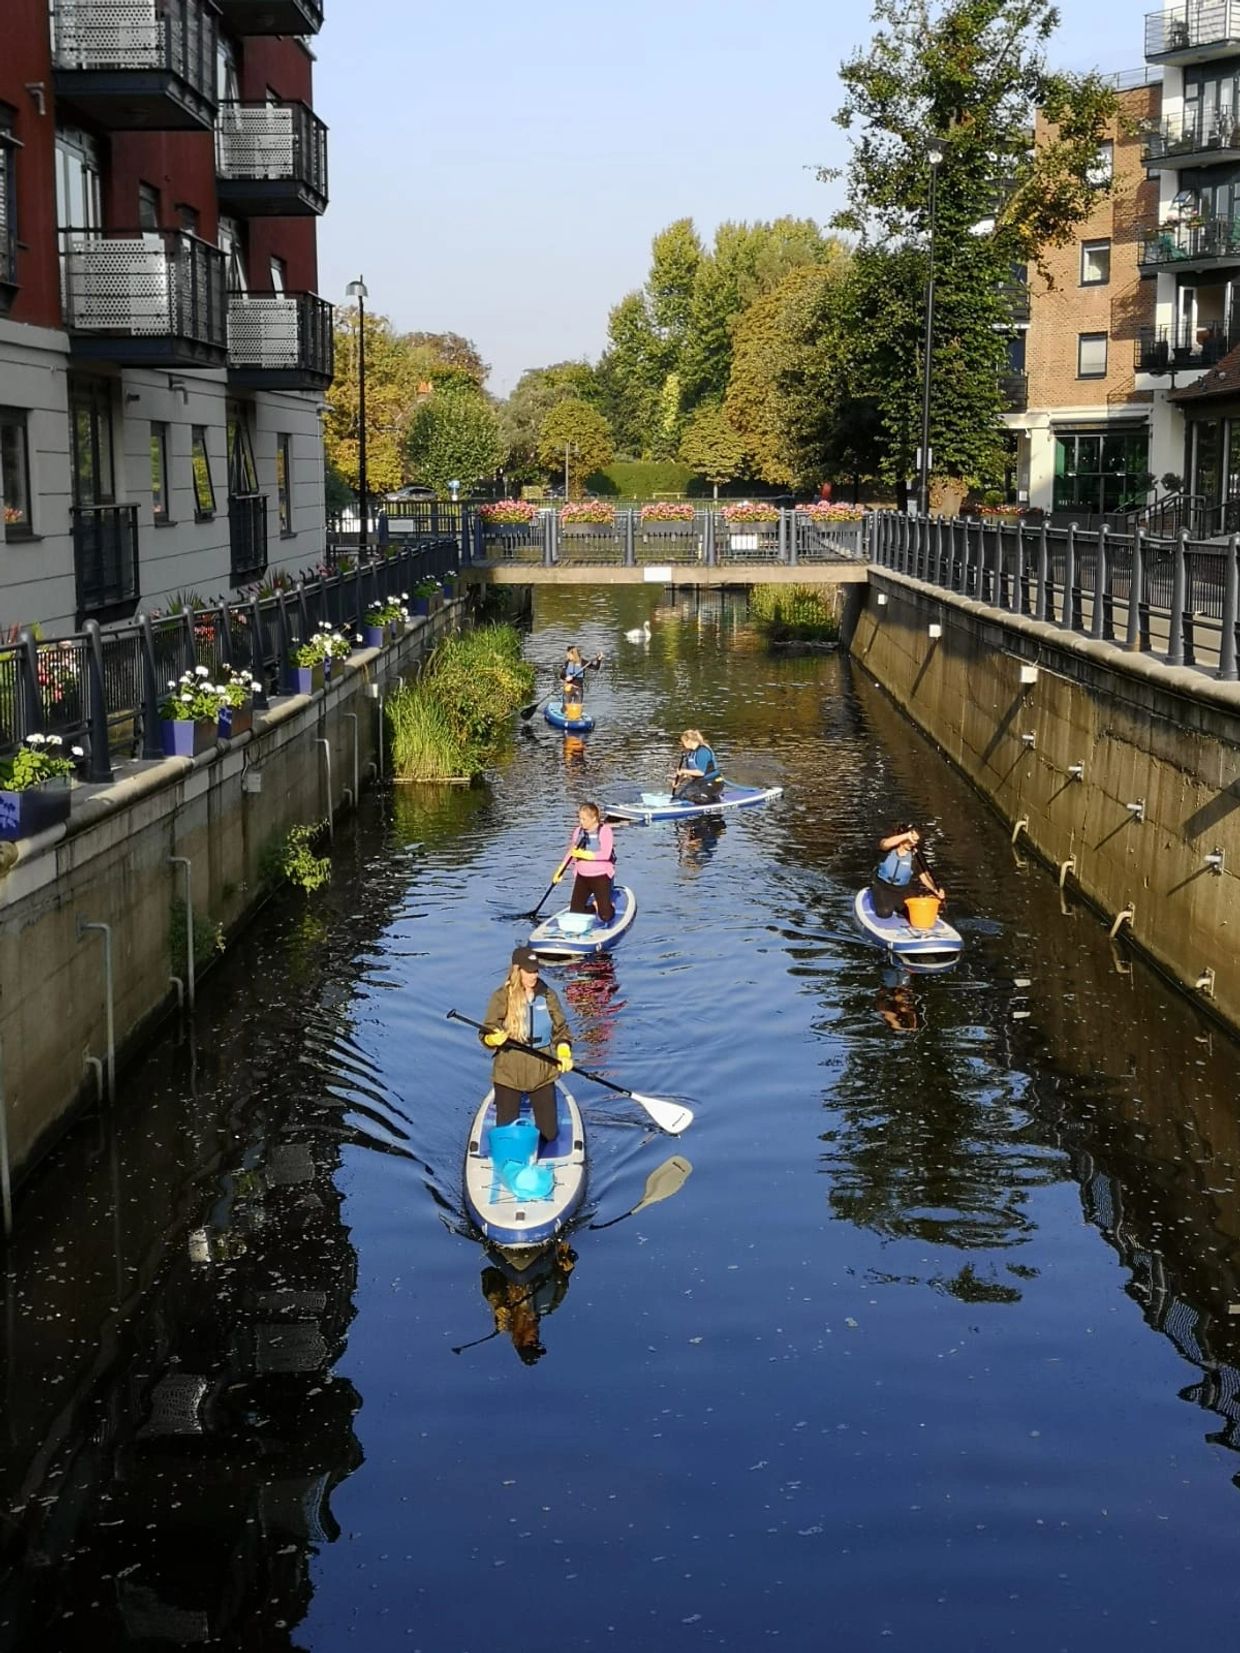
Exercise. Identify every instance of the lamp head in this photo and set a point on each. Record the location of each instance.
(934, 154)
(356, 289)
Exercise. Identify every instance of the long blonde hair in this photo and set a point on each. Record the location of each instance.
(517, 1010)
(574, 655)
(692, 738)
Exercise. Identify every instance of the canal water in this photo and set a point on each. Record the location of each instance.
(933, 1347)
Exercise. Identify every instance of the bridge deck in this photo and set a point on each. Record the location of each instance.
(691, 573)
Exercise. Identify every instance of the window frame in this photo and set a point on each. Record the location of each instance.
(1103, 169)
(161, 515)
(284, 484)
(1099, 373)
(17, 419)
(198, 450)
(93, 398)
(1094, 245)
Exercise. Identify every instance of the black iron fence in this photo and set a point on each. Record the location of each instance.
(101, 690)
(706, 537)
(1176, 599)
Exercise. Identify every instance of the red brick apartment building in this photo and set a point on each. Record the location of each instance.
(163, 353)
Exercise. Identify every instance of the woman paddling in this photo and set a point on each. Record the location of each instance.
(699, 780)
(593, 854)
(573, 677)
(902, 872)
(524, 1008)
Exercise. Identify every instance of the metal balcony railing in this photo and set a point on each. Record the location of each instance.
(1195, 29)
(1015, 295)
(298, 17)
(1214, 240)
(1195, 133)
(119, 57)
(280, 338)
(1014, 390)
(247, 536)
(164, 291)
(1183, 348)
(271, 156)
(105, 559)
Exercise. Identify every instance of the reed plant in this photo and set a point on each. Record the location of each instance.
(452, 720)
(425, 747)
(795, 613)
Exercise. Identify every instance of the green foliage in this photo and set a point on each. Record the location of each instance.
(425, 747)
(337, 493)
(641, 478)
(208, 938)
(631, 374)
(795, 613)
(448, 723)
(41, 758)
(534, 395)
(455, 435)
(713, 445)
(293, 858)
(324, 645)
(575, 436)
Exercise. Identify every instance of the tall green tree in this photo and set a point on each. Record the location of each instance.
(392, 379)
(535, 393)
(574, 441)
(630, 375)
(713, 446)
(972, 76)
(455, 436)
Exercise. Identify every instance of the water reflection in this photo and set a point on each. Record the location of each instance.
(697, 841)
(520, 1298)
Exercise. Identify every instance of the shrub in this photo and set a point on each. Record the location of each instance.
(449, 723)
(795, 613)
(425, 746)
(641, 478)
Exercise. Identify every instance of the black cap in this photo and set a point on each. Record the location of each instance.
(525, 957)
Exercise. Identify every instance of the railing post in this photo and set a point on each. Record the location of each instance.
(550, 524)
(1231, 590)
(630, 550)
(258, 661)
(152, 745)
(782, 536)
(1017, 604)
(1044, 562)
(223, 633)
(1136, 579)
(466, 537)
(1175, 640)
(98, 757)
(32, 700)
(1067, 601)
(1098, 620)
(285, 636)
(709, 555)
(793, 526)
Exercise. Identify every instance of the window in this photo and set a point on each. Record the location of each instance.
(1100, 174)
(200, 463)
(1091, 355)
(1095, 263)
(159, 472)
(8, 197)
(90, 441)
(242, 474)
(77, 180)
(148, 207)
(187, 217)
(279, 276)
(228, 239)
(1101, 471)
(284, 482)
(15, 474)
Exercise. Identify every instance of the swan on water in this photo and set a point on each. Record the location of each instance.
(642, 636)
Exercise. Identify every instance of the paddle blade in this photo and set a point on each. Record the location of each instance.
(668, 1179)
(672, 1117)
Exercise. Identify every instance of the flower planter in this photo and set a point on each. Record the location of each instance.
(305, 679)
(22, 814)
(374, 637)
(420, 606)
(588, 530)
(182, 737)
(236, 720)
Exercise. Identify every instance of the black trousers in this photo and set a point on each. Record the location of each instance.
(889, 899)
(692, 789)
(597, 888)
(542, 1101)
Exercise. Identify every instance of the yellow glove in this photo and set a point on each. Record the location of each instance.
(580, 855)
(497, 1038)
(564, 1056)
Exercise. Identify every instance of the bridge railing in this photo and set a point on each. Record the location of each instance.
(1175, 599)
(707, 538)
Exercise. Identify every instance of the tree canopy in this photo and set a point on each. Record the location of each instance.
(455, 436)
(713, 445)
(574, 440)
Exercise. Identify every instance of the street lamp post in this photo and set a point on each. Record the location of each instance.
(569, 447)
(934, 155)
(357, 289)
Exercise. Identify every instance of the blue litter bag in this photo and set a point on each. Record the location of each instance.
(529, 1182)
(518, 1141)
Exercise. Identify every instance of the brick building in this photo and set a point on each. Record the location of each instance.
(163, 354)
(1090, 431)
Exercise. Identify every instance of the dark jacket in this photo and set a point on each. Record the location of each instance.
(514, 1067)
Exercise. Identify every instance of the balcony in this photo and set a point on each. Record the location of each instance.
(1182, 349)
(270, 160)
(105, 561)
(144, 298)
(1193, 32)
(247, 537)
(1015, 295)
(128, 66)
(1193, 140)
(272, 16)
(1014, 392)
(279, 341)
(1189, 245)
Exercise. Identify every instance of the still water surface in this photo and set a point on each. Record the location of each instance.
(934, 1348)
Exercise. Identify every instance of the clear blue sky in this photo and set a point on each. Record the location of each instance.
(499, 170)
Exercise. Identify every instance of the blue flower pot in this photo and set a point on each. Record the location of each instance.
(22, 814)
(420, 605)
(183, 738)
(374, 637)
(236, 720)
(305, 679)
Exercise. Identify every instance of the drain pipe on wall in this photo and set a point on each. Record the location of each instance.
(184, 861)
(327, 764)
(351, 717)
(6, 1174)
(105, 930)
(1122, 918)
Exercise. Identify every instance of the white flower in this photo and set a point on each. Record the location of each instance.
(172, 683)
(35, 740)
(359, 638)
(186, 698)
(77, 752)
(54, 740)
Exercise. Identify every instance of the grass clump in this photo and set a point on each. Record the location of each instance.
(795, 613)
(449, 723)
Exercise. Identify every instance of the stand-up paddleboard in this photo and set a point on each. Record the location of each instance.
(567, 934)
(921, 950)
(506, 1216)
(554, 713)
(661, 806)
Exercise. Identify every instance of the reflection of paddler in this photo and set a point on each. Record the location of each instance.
(519, 1303)
(896, 1004)
(574, 749)
(696, 840)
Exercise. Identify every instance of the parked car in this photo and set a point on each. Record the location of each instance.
(411, 490)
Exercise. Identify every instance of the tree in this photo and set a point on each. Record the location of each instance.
(455, 436)
(575, 436)
(713, 446)
(391, 401)
(536, 392)
(973, 76)
(450, 356)
(630, 375)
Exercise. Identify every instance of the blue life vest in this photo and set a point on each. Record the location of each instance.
(539, 1021)
(895, 869)
(593, 842)
(573, 673)
(703, 760)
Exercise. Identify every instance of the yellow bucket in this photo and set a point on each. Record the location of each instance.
(923, 911)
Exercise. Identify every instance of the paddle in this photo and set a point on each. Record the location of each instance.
(527, 712)
(669, 1116)
(555, 879)
(666, 1180)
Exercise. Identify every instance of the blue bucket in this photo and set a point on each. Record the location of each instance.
(516, 1143)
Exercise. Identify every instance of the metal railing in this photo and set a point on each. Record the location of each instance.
(300, 17)
(1191, 27)
(1176, 599)
(1014, 391)
(247, 536)
(1193, 132)
(105, 556)
(272, 142)
(1184, 348)
(287, 333)
(102, 689)
(1213, 239)
(789, 537)
(151, 284)
(129, 36)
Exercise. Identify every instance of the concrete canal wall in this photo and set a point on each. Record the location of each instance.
(227, 812)
(1124, 767)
